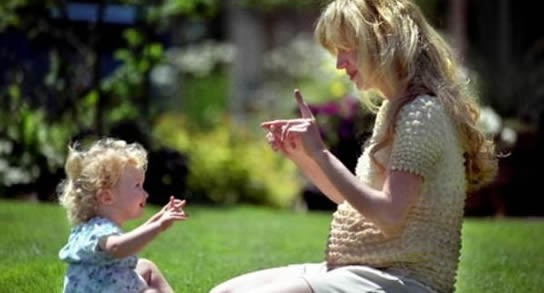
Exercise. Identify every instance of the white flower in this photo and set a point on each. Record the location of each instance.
(490, 122)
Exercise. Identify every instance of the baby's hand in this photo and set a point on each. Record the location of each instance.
(175, 204)
(169, 217)
(171, 212)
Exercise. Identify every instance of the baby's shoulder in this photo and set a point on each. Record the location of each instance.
(95, 224)
(83, 241)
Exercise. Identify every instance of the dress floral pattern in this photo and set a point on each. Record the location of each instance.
(92, 270)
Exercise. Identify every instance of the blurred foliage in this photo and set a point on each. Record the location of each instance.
(55, 87)
(31, 141)
(130, 80)
(342, 122)
(204, 98)
(75, 98)
(229, 164)
(268, 5)
(427, 6)
(201, 59)
(58, 89)
(28, 150)
(303, 63)
(203, 74)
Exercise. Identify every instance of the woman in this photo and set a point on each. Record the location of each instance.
(398, 224)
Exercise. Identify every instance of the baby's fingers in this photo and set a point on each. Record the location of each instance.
(179, 203)
(175, 204)
(178, 207)
(177, 216)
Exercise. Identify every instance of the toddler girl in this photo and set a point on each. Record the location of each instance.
(103, 190)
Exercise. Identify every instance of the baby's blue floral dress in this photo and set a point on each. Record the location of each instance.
(92, 270)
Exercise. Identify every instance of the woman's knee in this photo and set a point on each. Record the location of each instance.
(221, 288)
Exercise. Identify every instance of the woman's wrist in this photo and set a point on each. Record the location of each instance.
(320, 157)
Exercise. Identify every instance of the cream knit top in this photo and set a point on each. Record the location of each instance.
(428, 247)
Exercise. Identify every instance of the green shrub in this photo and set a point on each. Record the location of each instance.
(31, 151)
(230, 165)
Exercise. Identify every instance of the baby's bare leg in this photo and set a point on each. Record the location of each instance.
(153, 276)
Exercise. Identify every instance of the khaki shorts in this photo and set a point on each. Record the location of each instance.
(358, 279)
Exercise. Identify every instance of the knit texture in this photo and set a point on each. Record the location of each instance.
(428, 247)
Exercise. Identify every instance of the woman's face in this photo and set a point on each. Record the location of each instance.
(347, 60)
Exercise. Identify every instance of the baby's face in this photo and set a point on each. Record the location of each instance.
(129, 194)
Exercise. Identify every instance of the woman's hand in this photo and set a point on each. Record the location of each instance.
(298, 138)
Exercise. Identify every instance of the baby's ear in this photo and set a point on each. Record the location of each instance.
(104, 196)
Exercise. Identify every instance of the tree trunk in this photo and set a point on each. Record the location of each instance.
(246, 31)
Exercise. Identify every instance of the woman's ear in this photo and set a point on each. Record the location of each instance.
(104, 196)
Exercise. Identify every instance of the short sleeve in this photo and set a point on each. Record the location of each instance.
(82, 246)
(417, 142)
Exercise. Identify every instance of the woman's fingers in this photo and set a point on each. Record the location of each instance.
(293, 136)
(284, 129)
(276, 142)
(277, 126)
(305, 111)
(273, 141)
(285, 135)
(270, 137)
(278, 129)
(274, 124)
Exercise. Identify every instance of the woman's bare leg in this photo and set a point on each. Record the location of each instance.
(153, 276)
(281, 279)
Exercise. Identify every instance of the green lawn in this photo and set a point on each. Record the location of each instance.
(503, 255)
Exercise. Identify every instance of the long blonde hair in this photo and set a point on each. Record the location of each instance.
(98, 167)
(399, 51)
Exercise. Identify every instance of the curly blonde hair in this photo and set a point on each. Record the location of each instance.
(98, 167)
(400, 52)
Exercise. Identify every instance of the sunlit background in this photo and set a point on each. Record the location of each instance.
(192, 79)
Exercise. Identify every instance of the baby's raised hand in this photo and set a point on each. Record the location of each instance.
(172, 211)
(175, 204)
(168, 217)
